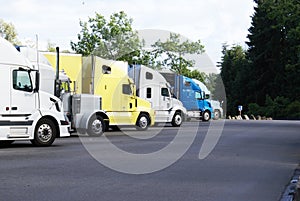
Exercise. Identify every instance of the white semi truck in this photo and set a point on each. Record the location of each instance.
(83, 111)
(152, 86)
(26, 112)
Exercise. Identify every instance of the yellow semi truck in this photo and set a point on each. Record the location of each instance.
(94, 75)
(118, 93)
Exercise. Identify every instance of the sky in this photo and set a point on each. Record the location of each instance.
(214, 22)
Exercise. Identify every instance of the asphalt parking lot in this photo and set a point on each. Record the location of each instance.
(251, 160)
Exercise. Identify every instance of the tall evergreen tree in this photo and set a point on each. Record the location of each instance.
(235, 74)
(289, 21)
(265, 44)
(274, 49)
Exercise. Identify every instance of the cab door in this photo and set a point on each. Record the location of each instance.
(165, 103)
(199, 95)
(128, 99)
(5, 90)
(127, 105)
(23, 98)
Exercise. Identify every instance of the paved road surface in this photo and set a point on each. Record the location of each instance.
(253, 160)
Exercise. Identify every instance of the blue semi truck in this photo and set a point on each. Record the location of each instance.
(190, 94)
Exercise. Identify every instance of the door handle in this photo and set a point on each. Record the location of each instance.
(14, 108)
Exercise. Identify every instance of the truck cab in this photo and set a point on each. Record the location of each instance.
(26, 112)
(216, 105)
(191, 93)
(191, 96)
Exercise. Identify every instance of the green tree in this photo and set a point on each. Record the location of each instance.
(110, 39)
(51, 46)
(148, 58)
(219, 93)
(289, 24)
(274, 53)
(8, 32)
(171, 53)
(210, 82)
(265, 44)
(235, 77)
(293, 110)
(201, 76)
(274, 49)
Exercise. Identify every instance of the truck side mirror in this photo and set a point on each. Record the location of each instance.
(37, 82)
(133, 90)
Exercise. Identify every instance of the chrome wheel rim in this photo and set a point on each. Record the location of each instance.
(206, 116)
(45, 132)
(178, 119)
(143, 122)
(96, 126)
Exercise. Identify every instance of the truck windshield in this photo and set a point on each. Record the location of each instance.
(22, 80)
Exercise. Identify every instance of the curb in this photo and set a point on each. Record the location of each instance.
(292, 190)
(252, 117)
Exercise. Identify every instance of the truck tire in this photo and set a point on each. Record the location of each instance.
(177, 119)
(217, 114)
(206, 116)
(142, 122)
(45, 133)
(96, 126)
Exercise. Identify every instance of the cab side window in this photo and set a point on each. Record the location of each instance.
(22, 80)
(106, 69)
(149, 76)
(187, 84)
(148, 92)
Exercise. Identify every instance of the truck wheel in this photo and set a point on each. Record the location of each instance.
(142, 122)
(96, 126)
(206, 116)
(45, 133)
(217, 114)
(177, 119)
